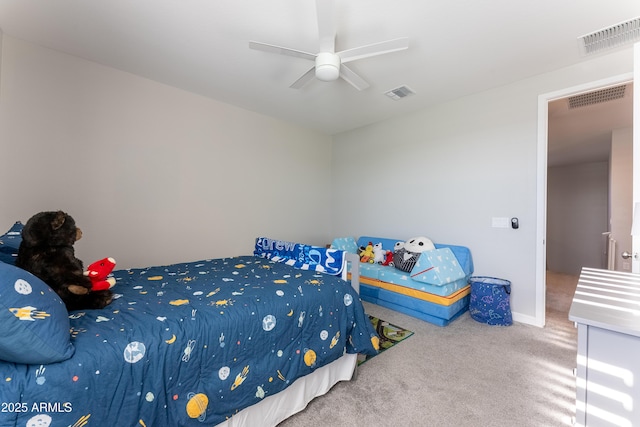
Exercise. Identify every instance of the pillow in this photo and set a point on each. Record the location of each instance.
(347, 244)
(35, 323)
(10, 242)
(437, 267)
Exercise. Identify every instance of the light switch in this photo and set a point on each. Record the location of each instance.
(500, 222)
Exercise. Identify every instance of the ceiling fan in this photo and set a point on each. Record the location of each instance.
(329, 64)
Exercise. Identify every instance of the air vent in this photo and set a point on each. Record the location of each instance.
(608, 38)
(399, 93)
(596, 97)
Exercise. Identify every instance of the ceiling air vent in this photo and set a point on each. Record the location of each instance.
(607, 38)
(399, 93)
(596, 97)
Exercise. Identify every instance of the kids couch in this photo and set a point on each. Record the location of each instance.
(435, 290)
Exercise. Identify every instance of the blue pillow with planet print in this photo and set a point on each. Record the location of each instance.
(10, 242)
(35, 323)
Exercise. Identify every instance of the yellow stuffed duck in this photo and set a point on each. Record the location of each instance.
(366, 253)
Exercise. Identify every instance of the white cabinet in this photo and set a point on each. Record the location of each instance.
(606, 309)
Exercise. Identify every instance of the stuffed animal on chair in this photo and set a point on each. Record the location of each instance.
(99, 272)
(388, 258)
(378, 253)
(406, 257)
(366, 253)
(47, 252)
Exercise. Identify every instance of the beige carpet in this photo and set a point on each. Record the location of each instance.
(465, 374)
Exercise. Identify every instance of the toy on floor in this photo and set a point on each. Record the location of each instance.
(99, 272)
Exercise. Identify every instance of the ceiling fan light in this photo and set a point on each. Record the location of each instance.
(327, 66)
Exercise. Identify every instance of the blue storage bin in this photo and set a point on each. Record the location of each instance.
(490, 300)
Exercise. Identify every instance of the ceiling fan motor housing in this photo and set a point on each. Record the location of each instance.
(327, 66)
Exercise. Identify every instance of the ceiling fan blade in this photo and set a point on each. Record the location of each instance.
(352, 78)
(326, 25)
(374, 49)
(304, 79)
(281, 50)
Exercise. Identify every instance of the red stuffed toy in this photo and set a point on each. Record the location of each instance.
(98, 272)
(388, 259)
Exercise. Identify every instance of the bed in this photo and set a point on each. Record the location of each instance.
(246, 340)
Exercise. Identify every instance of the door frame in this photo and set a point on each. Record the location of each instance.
(635, 240)
(543, 145)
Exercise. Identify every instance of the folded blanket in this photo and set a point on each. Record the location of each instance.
(304, 257)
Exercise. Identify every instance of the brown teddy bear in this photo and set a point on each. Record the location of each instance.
(47, 252)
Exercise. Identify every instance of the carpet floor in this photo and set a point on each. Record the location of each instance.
(464, 374)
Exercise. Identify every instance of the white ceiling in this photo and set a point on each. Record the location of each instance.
(455, 48)
(583, 134)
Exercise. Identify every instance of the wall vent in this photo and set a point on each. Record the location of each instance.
(597, 96)
(608, 38)
(399, 93)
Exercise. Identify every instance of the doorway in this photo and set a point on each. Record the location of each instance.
(589, 180)
(549, 155)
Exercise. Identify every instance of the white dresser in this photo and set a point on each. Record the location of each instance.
(606, 309)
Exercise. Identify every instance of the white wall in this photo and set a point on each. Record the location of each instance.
(1, 34)
(152, 174)
(578, 214)
(445, 172)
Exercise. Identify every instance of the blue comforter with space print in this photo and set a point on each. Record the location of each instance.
(190, 344)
